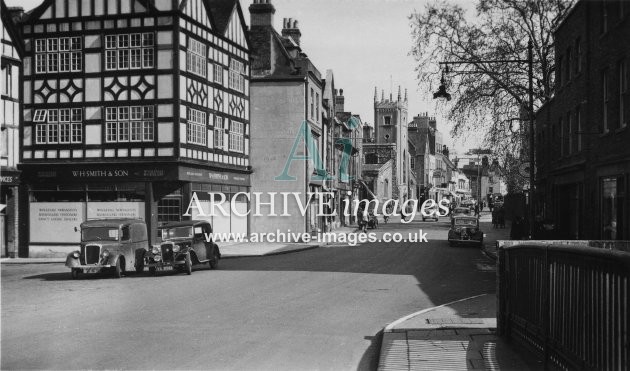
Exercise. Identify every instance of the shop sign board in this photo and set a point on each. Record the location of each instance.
(212, 176)
(9, 178)
(114, 210)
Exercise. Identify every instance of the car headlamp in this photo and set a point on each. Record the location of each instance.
(105, 253)
(155, 250)
(76, 254)
(176, 248)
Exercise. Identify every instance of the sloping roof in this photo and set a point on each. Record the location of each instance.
(12, 29)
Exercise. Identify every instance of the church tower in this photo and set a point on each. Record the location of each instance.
(390, 129)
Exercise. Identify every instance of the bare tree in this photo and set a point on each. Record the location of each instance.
(489, 98)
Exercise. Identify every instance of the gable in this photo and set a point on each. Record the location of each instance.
(235, 29)
(196, 9)
(53, 9)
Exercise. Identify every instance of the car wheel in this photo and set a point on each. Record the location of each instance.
(119, 270)
(75, 273)
(188, 264)
(214, 262)
(152, 270)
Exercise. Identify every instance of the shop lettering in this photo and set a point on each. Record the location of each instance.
(99, 173)
(6, 179)
(216, 176)
(154, 173)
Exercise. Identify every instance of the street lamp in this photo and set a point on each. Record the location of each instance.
(441, 93)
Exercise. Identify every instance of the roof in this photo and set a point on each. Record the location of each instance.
(9, 24)
(185, 223)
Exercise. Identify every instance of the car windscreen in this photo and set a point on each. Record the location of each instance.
(462, 210)
(177, 232)
(466, 222)
(99, 234)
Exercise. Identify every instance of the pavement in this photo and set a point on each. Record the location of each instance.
(459, 335)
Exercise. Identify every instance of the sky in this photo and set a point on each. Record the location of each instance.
(366, 43)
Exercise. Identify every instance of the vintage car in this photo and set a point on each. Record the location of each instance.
(465, 230)
(461, 211)
(116, 245)
(434, 213)
(183, 244)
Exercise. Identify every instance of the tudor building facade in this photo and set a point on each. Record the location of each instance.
(10, 118)
(130, 107)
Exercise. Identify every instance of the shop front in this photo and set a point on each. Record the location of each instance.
(59, 198)
(9, 188)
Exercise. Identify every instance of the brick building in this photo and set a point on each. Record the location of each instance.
(583, 156)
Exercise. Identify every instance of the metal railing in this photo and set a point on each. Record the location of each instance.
(567, 302)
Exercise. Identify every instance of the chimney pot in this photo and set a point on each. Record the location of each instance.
(261, 13)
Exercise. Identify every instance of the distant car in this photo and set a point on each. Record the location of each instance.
(116, 245)
(461, 210)
(184, 244)
(465, 230)
(435, 214)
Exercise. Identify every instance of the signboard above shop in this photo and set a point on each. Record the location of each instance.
(132, 172)
(211, 176)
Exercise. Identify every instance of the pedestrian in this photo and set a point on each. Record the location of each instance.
(517, 231)
(495, 219)
(477, 209)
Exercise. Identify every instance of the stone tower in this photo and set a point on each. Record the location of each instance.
(390, 130)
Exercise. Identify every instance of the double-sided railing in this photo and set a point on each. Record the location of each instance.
(568, 302)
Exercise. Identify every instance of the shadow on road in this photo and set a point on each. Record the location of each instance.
(65, 276)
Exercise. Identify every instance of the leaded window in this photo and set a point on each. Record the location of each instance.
(64, 125)
(236, 78)
(58, 55)
(196, 58)
(236, 136)
(129, 51)
(196, 133)
(129, 124)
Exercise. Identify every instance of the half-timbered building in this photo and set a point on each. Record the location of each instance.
(130, 107)
(10, 118)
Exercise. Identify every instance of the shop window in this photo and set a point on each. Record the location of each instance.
(169, 210)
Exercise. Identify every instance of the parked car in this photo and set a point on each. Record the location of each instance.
(116, 245)
(465, 230)
(184, 244)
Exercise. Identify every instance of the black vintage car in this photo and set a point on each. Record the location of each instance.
(183, 244)
(465, 231)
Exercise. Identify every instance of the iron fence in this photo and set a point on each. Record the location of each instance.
(567, 302)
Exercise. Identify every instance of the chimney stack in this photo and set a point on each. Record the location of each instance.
(261, 13)
(16, 13)
(340, 102)
(290, 29)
